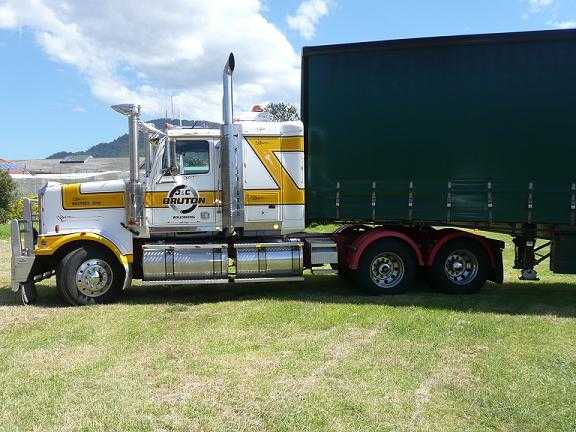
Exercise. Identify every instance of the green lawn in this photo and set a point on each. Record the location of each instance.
(4, 231)
(315, 356)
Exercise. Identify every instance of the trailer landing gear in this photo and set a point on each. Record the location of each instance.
(528, 255)
(530, 275)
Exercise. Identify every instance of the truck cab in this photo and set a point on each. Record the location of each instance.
(187, 196)
(207, 206)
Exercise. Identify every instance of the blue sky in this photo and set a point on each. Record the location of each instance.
(53, 97)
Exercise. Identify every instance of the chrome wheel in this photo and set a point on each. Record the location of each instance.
(461, 267)
(387, 270)
(94, 278)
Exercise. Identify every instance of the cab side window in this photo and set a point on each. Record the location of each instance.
(193, 157)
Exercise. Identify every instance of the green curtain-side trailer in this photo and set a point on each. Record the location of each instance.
(451, 130)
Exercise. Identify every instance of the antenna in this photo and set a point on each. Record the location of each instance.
(165, 118)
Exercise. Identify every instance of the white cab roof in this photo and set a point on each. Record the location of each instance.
(249, 128)
(177, 132)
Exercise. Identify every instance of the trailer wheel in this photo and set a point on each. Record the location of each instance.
(89, 275)
(461, 267)
(388, 267)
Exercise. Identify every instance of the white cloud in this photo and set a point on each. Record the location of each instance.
(539, 5)
(307, 17)
(138, 51)
(78, 109)
(7, 17)
(564, 24)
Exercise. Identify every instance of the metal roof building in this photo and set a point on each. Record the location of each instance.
(31, 175)
(11, 167)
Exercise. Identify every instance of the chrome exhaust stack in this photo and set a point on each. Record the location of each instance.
(232, 159)
(134, 198)
(228, 98)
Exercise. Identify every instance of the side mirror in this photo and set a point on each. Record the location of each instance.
(154, 138)
(172, 168)
(150, 153)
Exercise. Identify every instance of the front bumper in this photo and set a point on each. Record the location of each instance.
(22, 242)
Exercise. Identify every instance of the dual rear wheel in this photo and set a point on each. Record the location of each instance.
(390, 267)
(387, 267)
(461, 267)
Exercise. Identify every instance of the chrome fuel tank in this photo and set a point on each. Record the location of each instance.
(268, 260)
(185, 262)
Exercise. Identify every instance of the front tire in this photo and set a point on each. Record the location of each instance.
(89, 275)
(388, 267)
(461, 267)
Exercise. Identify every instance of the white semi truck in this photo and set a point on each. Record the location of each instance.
(221, 206)
(210, 206)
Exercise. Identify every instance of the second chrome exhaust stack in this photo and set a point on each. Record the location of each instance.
(232, 160)
(134, 197)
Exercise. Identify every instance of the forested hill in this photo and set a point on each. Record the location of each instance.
(119, 146)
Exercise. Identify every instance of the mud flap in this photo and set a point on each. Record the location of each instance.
(28, 293)
(497, 273)
(127, 277)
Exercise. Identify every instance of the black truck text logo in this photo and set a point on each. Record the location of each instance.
(183, 199)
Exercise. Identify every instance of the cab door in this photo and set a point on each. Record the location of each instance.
(188, 200)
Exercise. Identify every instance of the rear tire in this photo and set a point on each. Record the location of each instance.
(89, 275)
(461, 267)
(388, 267)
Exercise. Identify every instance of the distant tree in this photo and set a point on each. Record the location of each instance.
(17, 208)
(282, 111)
(7, 196)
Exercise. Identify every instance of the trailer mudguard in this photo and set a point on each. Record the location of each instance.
(366, 240)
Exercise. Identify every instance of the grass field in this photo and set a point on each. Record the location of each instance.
(314, 356)
(4, 231)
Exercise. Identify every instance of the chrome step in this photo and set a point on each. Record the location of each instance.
(269, 279)
(186, 282)
(324, 272)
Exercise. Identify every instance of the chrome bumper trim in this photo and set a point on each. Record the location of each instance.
(22, 243)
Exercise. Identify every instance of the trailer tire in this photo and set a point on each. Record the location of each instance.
(461, 267)
(388, 267)
(89, 275)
